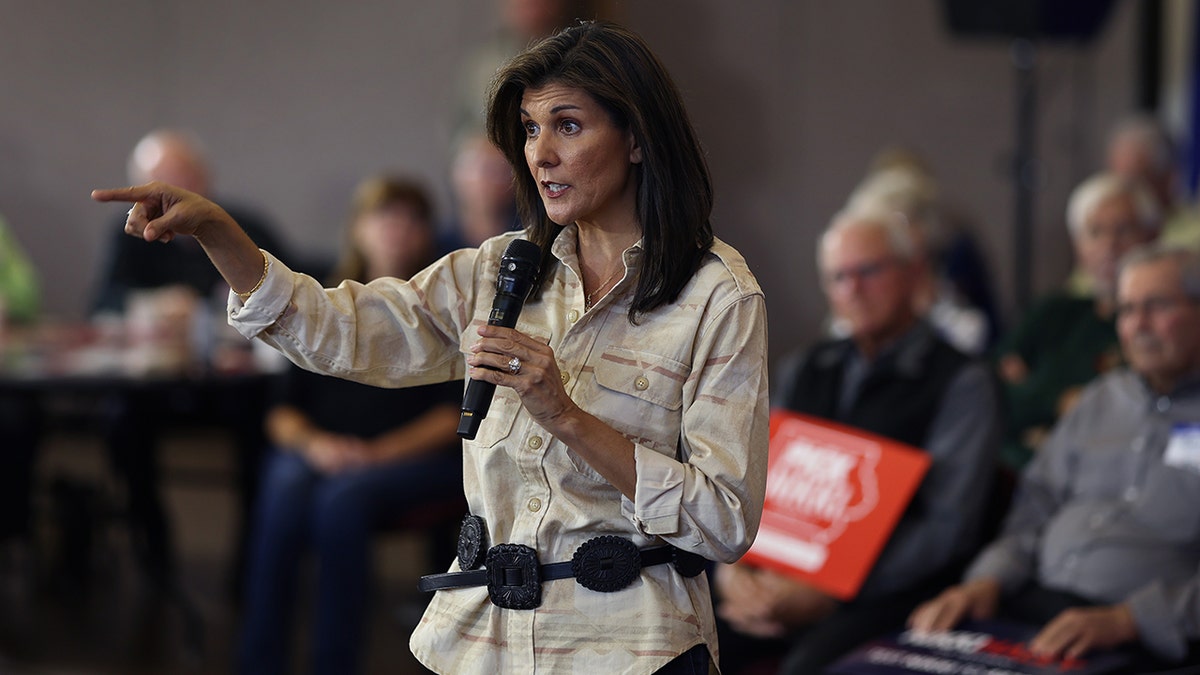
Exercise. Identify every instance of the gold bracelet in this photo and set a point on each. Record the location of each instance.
(266, 264)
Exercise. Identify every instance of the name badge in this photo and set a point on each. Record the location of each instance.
(1183, 450)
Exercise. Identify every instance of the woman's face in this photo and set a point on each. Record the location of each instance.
(1111, 230)
(583, 163)
(393, 239)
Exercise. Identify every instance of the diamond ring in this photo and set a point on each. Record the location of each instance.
(514, 365)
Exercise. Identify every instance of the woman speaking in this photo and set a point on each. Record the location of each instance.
(626, 442)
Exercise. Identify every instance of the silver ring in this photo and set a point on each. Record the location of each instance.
(514, 365)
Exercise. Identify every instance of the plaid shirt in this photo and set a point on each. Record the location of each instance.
(687, 385)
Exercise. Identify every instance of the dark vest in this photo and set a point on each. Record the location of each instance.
(900, 396)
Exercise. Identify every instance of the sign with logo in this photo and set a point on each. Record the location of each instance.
(975, 648)
(834, 494)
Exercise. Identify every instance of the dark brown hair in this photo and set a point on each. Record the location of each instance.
(373, 194)
(674, 190)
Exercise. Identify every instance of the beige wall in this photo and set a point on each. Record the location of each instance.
(298, 100)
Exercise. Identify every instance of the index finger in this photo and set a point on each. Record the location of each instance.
(135, 193)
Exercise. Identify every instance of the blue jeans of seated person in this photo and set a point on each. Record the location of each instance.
(300, 510)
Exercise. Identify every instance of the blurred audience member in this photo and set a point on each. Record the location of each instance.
(955, 290)
(173, 285)
(522, 23)
(1065, 341)
(1102, 545)
(347, 459)
(1141, 149)
(895, 377)
(19, 415)
(175, 157)
(19, 294)
(484, 198)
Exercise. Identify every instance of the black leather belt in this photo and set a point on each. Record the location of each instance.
(606, 564)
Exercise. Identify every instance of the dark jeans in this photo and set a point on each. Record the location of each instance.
(335, 517)
(692, 662)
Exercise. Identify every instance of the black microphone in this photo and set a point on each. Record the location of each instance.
(518, 269)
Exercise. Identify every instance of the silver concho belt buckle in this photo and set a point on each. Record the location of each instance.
(514, 580)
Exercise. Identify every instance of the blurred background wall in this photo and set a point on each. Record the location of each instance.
(296, 101)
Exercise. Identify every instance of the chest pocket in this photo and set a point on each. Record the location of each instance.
(648, 377)
(641, 394)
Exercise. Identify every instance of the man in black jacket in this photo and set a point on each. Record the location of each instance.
(891, 376)
(176, 280)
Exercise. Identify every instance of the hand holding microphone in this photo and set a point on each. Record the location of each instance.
(518, 270)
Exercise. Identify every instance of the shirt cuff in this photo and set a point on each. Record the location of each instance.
(1156, 625)
(658, 496)
(264, 307)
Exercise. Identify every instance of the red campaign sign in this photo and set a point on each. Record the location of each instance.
(834, 495)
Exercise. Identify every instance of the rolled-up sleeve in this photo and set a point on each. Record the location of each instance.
(709, 499)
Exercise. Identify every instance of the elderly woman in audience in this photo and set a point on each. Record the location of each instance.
(1065, 341)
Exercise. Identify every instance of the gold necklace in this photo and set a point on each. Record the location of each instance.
(587, 299)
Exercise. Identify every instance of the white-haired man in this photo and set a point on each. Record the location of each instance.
(893, 376)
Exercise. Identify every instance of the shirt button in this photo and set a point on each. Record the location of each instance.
(573, 316)
(564, 376)
(641, 383)
(1163, 404)
(535, 505)
(534, 442)
(1131, 494)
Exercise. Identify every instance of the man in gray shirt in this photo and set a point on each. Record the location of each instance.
(1102, 544)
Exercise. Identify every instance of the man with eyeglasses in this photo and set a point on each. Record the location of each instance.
(895, 377)
(1102, 545)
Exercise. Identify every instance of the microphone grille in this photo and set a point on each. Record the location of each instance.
(524, 250)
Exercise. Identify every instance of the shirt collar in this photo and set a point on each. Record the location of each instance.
(565, 247)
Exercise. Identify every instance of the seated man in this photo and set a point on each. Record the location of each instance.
(1065, 340)
(893, 376)
(182, 282)
(1102, 543)
(174, 157)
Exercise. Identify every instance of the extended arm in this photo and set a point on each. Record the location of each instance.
(161, 212)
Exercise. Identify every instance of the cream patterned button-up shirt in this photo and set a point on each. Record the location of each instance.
(687, 385)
